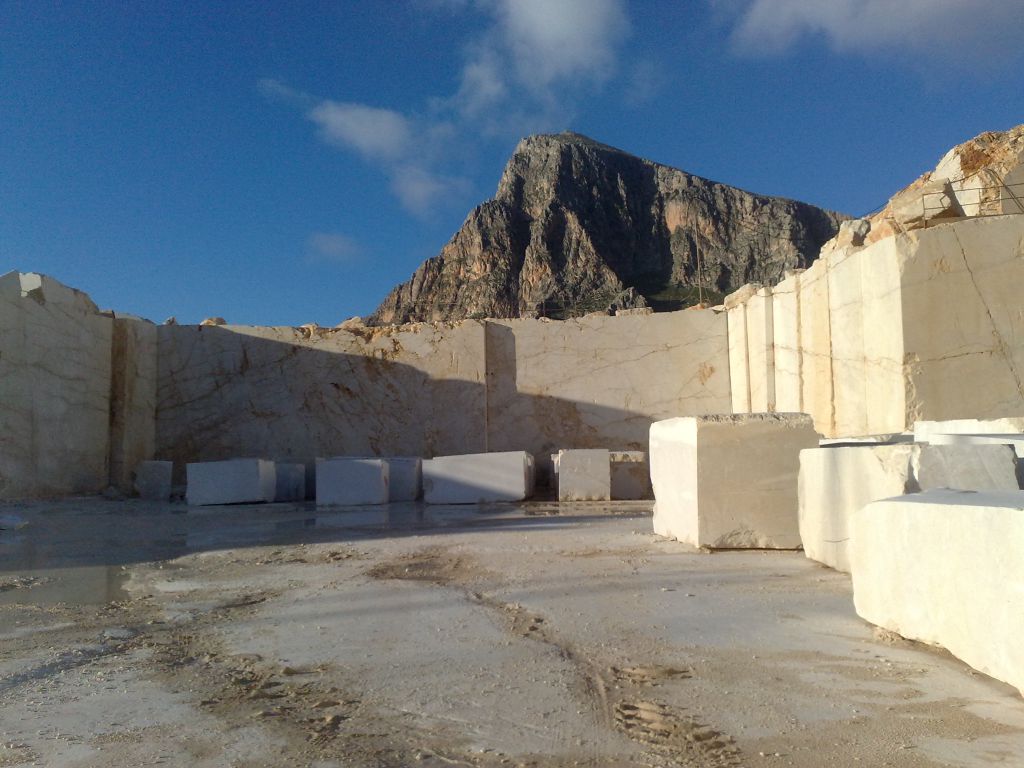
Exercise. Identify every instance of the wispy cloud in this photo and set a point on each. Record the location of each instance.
(521, 73)
(961, 31)
(332, 248)
(375, 133)
(539, 52)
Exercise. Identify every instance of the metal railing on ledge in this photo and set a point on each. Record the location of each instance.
(1013, 192)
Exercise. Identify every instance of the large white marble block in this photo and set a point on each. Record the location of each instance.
(837, 481)
(729, 481)
(584, 474)
(153, 480)
(405, 478)
(478, 478)
(345, 481)
(236, 481)
(291, 481)
(945, 567)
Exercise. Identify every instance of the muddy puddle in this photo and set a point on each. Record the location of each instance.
(67, 552)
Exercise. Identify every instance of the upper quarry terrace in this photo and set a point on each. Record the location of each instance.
(343, 621)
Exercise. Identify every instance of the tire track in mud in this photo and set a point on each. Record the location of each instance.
(620, 695)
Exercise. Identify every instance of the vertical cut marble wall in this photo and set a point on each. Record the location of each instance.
(761, 351)
(924, 325)
(300, 393)
(133, 381)
(54, 389)
(963, 324)
(786, 341)
(599, 382)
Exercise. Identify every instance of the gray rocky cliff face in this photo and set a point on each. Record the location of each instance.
(577, 226)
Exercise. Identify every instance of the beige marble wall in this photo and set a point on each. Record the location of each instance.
(919, 325)
(786, 342)
(54, 389)
(963, 329)
(816, 344)
(761, 351)
(599, 382)
(299, 393)
(132, 398)
(431, 390)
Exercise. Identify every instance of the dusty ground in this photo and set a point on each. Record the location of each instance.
(137, 634)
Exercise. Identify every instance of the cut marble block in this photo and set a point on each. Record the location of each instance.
(351, 482)
(291, 481)
(924, 431)
(837, 481)
(236, 481)
(1015, 440)
(153, 480)
(478, 477)
(945, 567)
(631, 477)
(584, 474)
(405, 478)
(729, 481)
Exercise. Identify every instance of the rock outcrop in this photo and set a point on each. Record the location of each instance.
(984, 176)
(577, 226)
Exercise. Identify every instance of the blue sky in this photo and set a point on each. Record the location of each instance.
(290, 163)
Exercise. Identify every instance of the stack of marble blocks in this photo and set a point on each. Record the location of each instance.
(838, 480)
(477, 478)
(729, 481)
(932, 533)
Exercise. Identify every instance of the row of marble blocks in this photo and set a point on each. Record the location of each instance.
(729, 481)
(597, 474)
(838, 480)
(932, 533)
(463, 479)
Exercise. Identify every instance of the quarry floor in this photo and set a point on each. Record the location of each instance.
(135, 634)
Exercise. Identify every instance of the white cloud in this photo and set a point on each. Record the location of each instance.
(538, 51)
(380, 134)
(955, 30)
(520, 74)
(553, 40)
(420, 191)
(333, 248)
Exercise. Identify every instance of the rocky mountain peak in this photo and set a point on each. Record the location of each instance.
(578, 226)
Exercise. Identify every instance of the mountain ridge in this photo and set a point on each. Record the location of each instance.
(577, 226)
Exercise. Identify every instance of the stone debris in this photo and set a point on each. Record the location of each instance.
(214, 321)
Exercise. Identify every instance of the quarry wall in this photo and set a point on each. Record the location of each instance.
(55, 371)
(921, 325)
